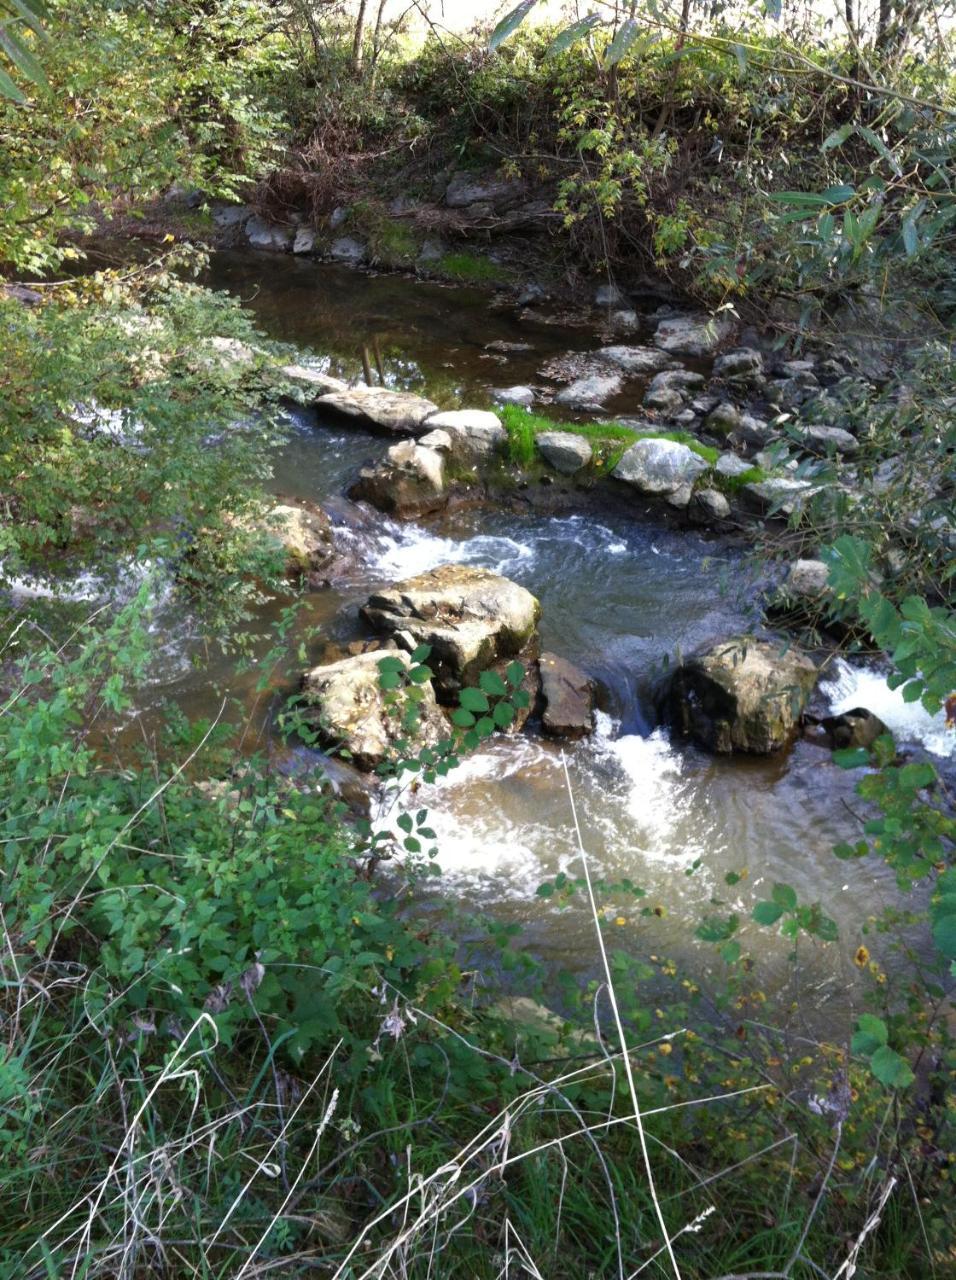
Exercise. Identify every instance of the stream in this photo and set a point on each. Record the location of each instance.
(620, 594)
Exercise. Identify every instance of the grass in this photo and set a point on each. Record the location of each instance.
(610, 439)
(470, 268)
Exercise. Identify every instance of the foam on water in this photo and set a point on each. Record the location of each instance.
(649, 783)
(848, 687)
(406, 550)
(410, 550)
(479, 843)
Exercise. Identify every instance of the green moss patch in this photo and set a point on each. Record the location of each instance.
(470, 268)
(609, 439)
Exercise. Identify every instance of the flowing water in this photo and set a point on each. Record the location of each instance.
(621, 594)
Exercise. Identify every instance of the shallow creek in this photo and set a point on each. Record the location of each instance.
(620, 594)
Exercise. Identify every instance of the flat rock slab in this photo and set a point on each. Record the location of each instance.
(564, 451)
(345, 703)
(637, 361)
(589, 393)
(401, 412)
(659, 466)
(742, 695)
(311, 380)
(693, 335)
(471, 617)
(830, 439)
(522, 396)
(568, 695)
(475, 431)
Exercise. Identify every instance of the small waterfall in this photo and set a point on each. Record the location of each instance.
(847, 687)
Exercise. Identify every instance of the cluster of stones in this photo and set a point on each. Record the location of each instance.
(742, 695)
(473, 201)
(413, 479)
(473, 620)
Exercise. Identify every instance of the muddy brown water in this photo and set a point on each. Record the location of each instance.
(621, 595)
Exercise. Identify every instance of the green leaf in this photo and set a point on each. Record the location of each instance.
(462, 718)
(851, 757)
(571, 35)
(784, 897)
(839, 194)
(838, 136)
(944, 935)
(21, 57)
(389, 680)
(510, 23)
(871, 1033)
(473, 700)
(405, 821)
(619, 46)
(890, 1069)
(492, 683)
(422, 652)
(8, 89)
(514, 674)
(767, 913)
(503, 714)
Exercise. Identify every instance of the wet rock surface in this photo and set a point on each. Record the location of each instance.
(742, 695)
(568, 696)
(470, 617)
(401, 412)
(659, 466)
(408, 482)
(350, 711)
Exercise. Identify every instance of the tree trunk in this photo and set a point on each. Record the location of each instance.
(358, 40)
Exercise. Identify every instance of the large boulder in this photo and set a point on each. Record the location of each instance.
(305, 535)
(346, 704)
(659, 466)
(742, 695)
(693, 335)
(471, 617)
(564, 451)
(741, 365)
(568, 695)
(474, 433)
(407, 483)
(268, 235)
(401, 412)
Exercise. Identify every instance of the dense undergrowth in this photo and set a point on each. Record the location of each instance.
(231, 1046)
